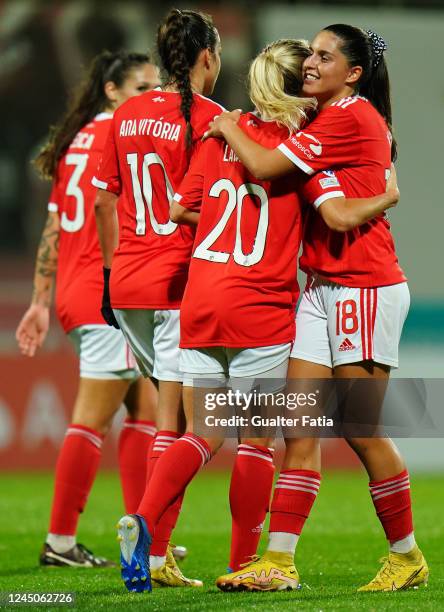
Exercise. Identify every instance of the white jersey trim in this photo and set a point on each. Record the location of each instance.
(53, 207)
(296, 160)
(103, 116)
(100, 184)
(177, 197)
(210, 100)
(326, 196)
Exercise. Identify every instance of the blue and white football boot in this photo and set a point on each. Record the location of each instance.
(135, 541)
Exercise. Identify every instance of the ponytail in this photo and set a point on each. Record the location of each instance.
(377, 91)
(180, 38)
(275, 83)
(89, 100)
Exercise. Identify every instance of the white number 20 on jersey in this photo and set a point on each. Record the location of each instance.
(79, 161)
(235, 201)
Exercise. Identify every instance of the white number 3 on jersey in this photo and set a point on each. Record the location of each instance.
(79, 161)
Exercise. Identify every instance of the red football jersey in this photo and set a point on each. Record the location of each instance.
(144, 161)
(79, 272)
(351, 138)
(242, 288)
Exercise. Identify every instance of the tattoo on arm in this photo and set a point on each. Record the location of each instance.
(46, 261)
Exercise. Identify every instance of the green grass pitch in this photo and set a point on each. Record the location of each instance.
(338, 551)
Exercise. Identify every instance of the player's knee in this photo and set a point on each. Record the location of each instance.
(94, 423)
(301, 449)
(214, 444)
(363, 446)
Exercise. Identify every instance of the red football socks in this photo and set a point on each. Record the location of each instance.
(294, 495)
(174, 469)
(167, 522)
(391, 498)
(135, 442)
(250, 491)
(75, 472)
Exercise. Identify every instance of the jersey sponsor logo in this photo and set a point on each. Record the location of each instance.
(150, 127)
(159, 99)
(314, 146)
(347, 345)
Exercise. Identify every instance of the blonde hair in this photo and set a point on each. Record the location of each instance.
(275, 83)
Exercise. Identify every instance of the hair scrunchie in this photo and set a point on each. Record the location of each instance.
(378, 46)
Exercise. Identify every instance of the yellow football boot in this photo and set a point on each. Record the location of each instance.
(399, 572)
(169, 575)
(274, 571)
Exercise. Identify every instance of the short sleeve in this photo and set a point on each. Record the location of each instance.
(108, 175)
(56, 196)
(320, 187)
(331, 140)
(190, 191)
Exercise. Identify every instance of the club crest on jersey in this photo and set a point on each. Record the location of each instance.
(308, 148)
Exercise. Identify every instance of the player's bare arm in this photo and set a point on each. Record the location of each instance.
(33, 328)
(344, 214)
(181, 215)
(105, 208)
(265, 164)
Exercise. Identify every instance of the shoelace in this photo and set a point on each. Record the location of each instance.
(385, 570)
(253, 558)
(88, 554)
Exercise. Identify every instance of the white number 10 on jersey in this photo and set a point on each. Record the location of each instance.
(143, 196)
